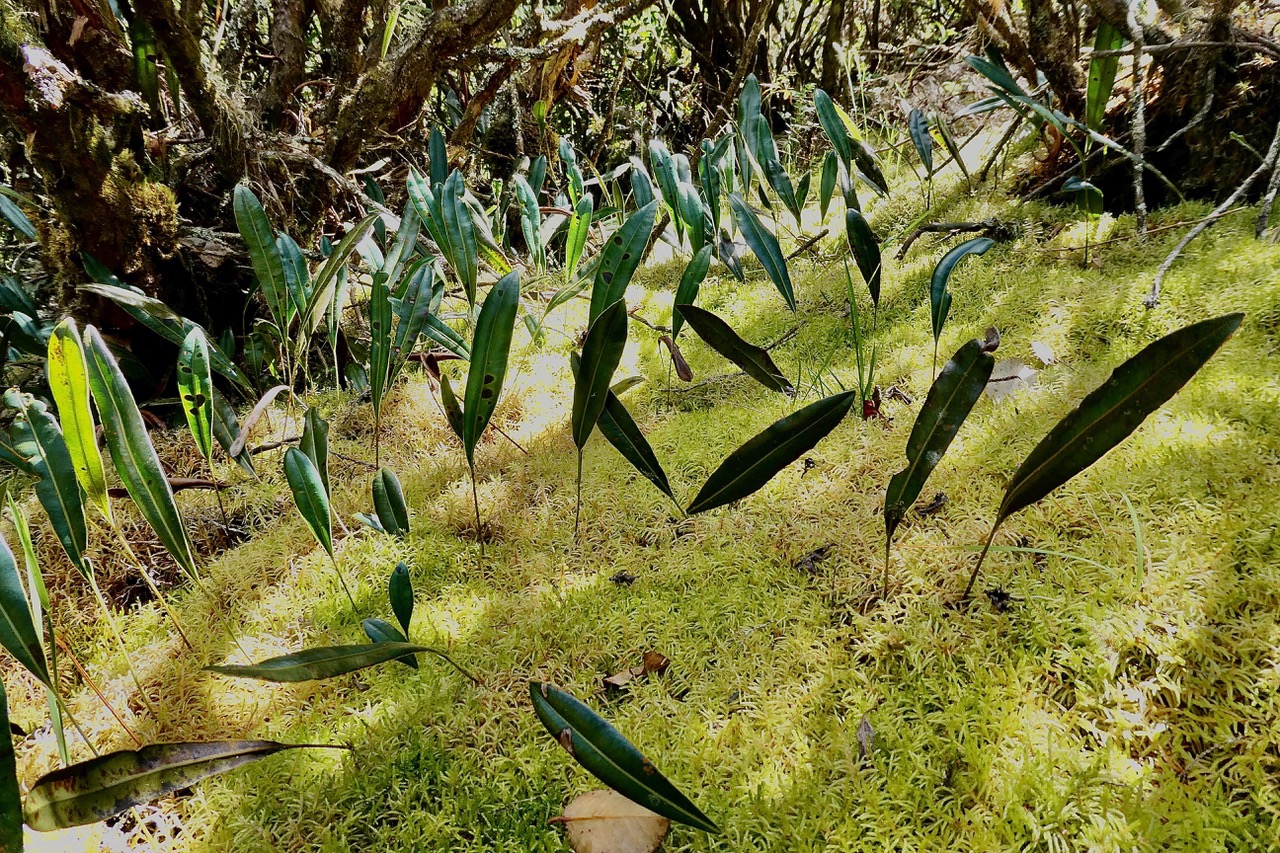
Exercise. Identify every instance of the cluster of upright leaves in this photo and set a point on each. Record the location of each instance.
(400, 594)
(390, 511)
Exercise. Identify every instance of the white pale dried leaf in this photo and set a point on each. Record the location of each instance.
(1009, 375)
(607, 822)
(1042, 351)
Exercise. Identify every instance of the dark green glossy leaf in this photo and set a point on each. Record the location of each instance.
(452, 410)
(309, 496)
(687, 291)
(606, 754)
(939, 295)
(1088, 197)
(693, 214)
(757, 462)
(379, 340)
(195, 390)
(400, 593)
(827, 186)
(464, 251)
(918, 125)
(382, 631)
(866, 251)
(315, 444)
(622, 431)
(389, 503)
(438, 156)
(601, 352)
(950, 400)
(1112, 411)
(490, 348)
(327, 281)
(264, 254)
(1102, 74)
(530, 219)
(324, 662)
(718, 335)
(766, 247)
(18, 633)
(296, 275)
(10, 795)
(833, 126)
(13, 214)
(103, 787)
(620, 258)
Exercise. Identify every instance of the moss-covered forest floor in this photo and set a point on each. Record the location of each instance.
(1124, 695)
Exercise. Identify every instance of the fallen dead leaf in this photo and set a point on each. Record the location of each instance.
(866, 737)
(934, 506)
(677, 359)
(1010, 375)
(1041, 351)
(607, 822)
(652, 663)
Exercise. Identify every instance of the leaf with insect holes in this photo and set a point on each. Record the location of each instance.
(490, 349)
(718, 335)
(69, 386)
(620, 258)
(950, 400)
(195, 390)
(103, 787)
(309, 496)
(758, 461)
(389, 504)
(601, 352)
(765, 246)
(610, 757)
(939, 295)
(607, 822)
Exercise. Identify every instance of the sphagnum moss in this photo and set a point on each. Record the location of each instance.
(1104, 708)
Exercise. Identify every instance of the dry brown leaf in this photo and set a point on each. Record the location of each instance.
(653, 662)
(607, 822)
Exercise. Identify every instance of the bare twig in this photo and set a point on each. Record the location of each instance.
(807, 244)
(946, 228)
(1273, 153)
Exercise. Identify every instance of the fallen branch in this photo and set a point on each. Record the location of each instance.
(992, 227)
(807, 244)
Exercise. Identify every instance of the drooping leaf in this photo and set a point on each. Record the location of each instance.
(18, 633)
(1087, 195)
(918, 125)
(10, 795)
(255, 414)
(866, 251)
(620, 258)
(382, 631)
(452, 409)
(606, 754)
(309, 496)
(324, 662)
(766, 247)
(389, 503)
(315, 444)
(490, 348)
(694, 215)
(264, 254)
(1102, 74)
(226, 429)
(755, 463)
(718, 335)
(327, 280)
(949, 142)
(601, 352)
(690, 282)
(13, 214)
(105, 786)
(530, 219)
(69, 385)
(939, 295)
(195, 390)
(622, 431)
(1109, 413)
(833, 127)
(950, 400)
(400, 593)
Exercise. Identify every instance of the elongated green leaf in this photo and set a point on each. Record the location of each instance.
(464, 252)
(10, 795)
(132, 452)
(379, 340)
(718, 335)
(601, 352)
(827, 186)
(18, 633)
(530, 219)
(766, 247)
(1112, 411)
(326, 282)
(13, 214)
(264, 254)
(1102, 74)
(315, 444)
(950, 400)
(622, 431)
(309, 496)
(490, 348)
(436, 329)
(693, 214)
(709, 178)
(606, 754)
(757, 462)
(296, 275)
(641, 183)
(866, 251)
(389, 504)
(690, 282)
(14, 297)
(400, 593)
(382, 631)
(45, 449)
(226, 429)
(438, 157)
(949, 142)
(324, 662)
(774, 173)
(579, 228)
(619, 259)
(195, 390)
(939, 295)
(1088, 197)
(996, 72)
(69, 385)
(918, 125)
(452, 410)
(102, 787)
(833, 127)
(411, 306)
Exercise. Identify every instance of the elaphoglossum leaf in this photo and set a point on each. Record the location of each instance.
(452, 409)
(382, 631)
(949, 402)
(389, 503)
(105, 786)
(69, 385)
(1108, 414)
(606, 754)
(579, 228)
(601, 353)
(866, 251)
(827, 186)
(765, 246)
(315, 443)
(690, 282)
(10, 795)
(833, 126)
(400, 594)
(755, 463)
(326, 662)
(13, 214)
(264, 254)
(327, 280)
(622, 431)
(718, 335)
(18, 633)
(490, 349)
(620, 258)
(1102, 74)
(309, 496)
(918, 125)
(195, 390)
(939, 295)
